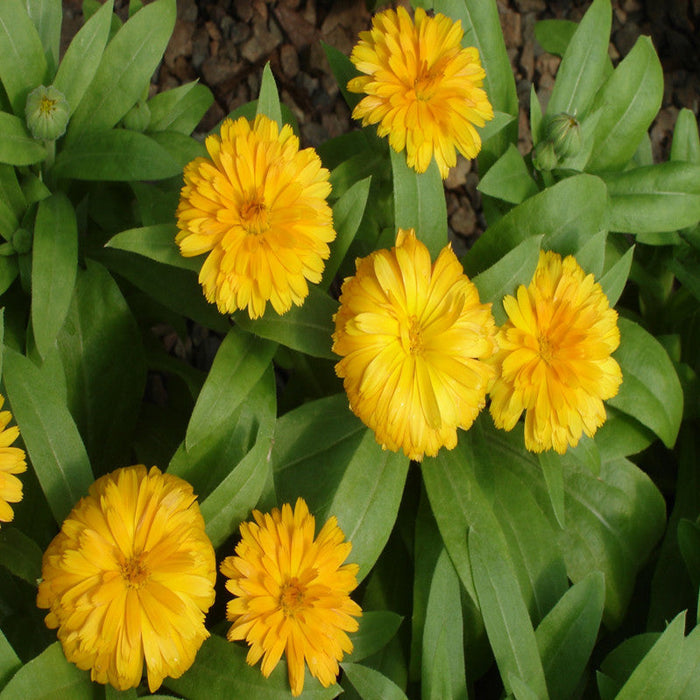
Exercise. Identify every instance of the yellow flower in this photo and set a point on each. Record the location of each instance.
(130, 577)
(292, 593)
(423, 89)
(413, 338)
(554, 361)
(12, 461)
(258, 204)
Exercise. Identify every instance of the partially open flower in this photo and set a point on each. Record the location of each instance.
(47, 113)
(564, 132)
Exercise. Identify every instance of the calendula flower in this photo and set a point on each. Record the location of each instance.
(258, 206)
(12, 461)
(555, 360)
(414, 339)
(423, 89)
(129, 578)
(292, 593)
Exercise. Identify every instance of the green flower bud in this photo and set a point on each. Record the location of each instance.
(138, 117)
(544, 156)
(21, 240)
(47, 113)
(565, 133)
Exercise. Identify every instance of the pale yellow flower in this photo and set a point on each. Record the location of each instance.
(423, 89)
(12, 461)
(292, 593)
(414, 338)
(555, 358)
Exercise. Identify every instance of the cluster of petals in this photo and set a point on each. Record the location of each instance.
(257, 206)
(292, 593)
(12, 461)
(414, 341)
(423, 90)
(555, 361)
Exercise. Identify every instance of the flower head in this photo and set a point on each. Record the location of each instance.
(423, 89)
(12, 461)
(47, 113)
(555, 358)
(413, 338)
(292, 593)
(257, 206)
(130, 577)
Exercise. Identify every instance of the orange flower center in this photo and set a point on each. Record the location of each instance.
(134, 571)
(292, 596)
(426, 80)
(546, 349)
(415, 336)
(255, 216)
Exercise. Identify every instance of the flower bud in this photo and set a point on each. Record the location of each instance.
(21, 240)
(47, 113)
(138, 117)
(544, 156)
(565, 133)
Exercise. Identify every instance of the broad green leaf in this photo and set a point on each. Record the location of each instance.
(689, 544)
(269, 99)
(343, 70)
(621, 435)
(17, 147)
(20, 555)
(443, 646)
(8, 272)
(9, 661)
(8, 219)
(347, 215)
(83, 55)
(654, 198)
(535, 116)
(553, 472)
(583, 63)
(419, 202)
(567, 635)
(156, 242)
(591, 255)
(11, 193)
(47, 15)
(179, 109)
(505, 615)
(494, 126)
(112, 693)
(125, 70)
(521, 690)
(182, 148)
(614, 280)
(49, 675)
(650, 390)
(115, 155)
(23, 66)
(49, 433)
(554, 35)
(307, 328)
(567, 213)
(686, 140)
(619, 664)
(372, 684)
(377, 627)
(221, 671)
(508, 178)
(54, 268)
(631, 97)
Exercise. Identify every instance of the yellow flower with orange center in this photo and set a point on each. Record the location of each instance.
(414, 338)
(12, 461)
(422, 88)
(129, 579)
(292, 593)
(258, 206)
(555, 358)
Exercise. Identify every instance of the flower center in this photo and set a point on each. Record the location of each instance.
(134, 571)
(415, 337)
(546, 349)
(47, 105)
(426, 80)
(292, 597)
(255, 216)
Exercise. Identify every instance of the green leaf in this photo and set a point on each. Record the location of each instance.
(156, 242)
(20, 555)
(220, 671)
(182, 148)
(49, 433)
(269, 99)
(83, 55)
(686, 140)
(377, 628)
(618, 665)
(47, 676)
(8, 272)
(508, 178)
(568, 213)
(654, 198)
(180, 109)
(9, 661)
(443, 646)
(554, 35)
(23, 66)
(591, 255)
(553, 472)
(614, 280)
(105, 368)
(583, 64)
(125, 70)
(347, 215)
(54, 268)
(371, 684)
(47, 15)
(567, 635)
(11, 193)
(115, 155)
(631, 97)
(17, 147)
(650, 390)
(419, 202)
(505, 615)
(343, 71)
(495, 126)
(306, 328)
(689, 544)
(535, 116)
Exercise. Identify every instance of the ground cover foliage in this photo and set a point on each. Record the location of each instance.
(485, 570)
